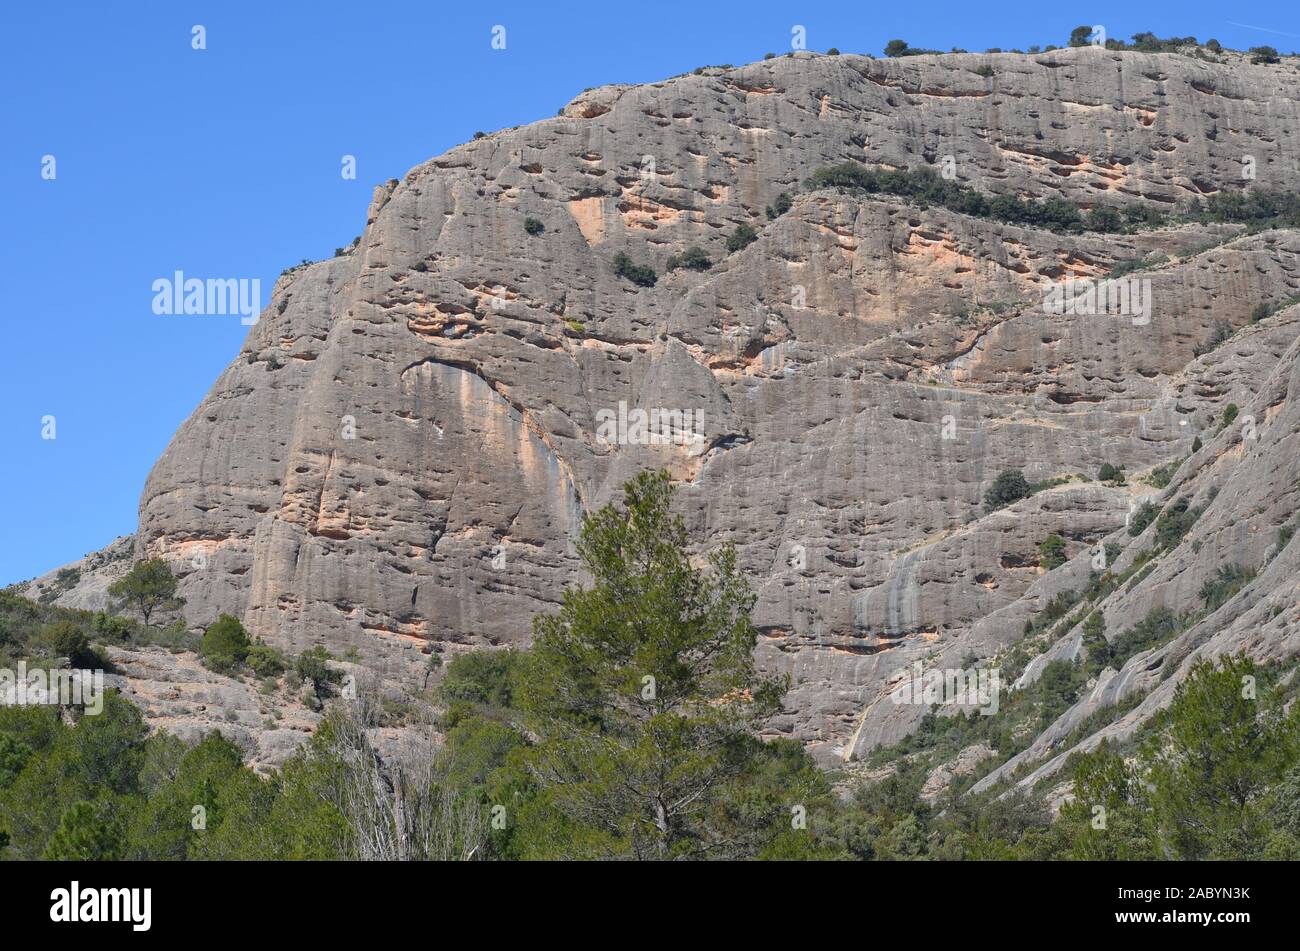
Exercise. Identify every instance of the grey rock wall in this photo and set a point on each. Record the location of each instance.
(400, 457)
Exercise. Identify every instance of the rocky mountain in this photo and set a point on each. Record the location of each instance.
(399, 459)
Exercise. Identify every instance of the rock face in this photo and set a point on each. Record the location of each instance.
(267, 719)
(83, 584)
(178, 694)
(963, 765)
(401, 455)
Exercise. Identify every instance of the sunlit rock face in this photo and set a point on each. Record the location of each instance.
(399, 460)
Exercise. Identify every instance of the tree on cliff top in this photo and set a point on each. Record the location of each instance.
(1080, 35)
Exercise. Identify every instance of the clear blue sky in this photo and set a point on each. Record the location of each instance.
(225, 163)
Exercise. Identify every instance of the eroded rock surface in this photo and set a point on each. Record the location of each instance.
(401, 455)
(176, 693)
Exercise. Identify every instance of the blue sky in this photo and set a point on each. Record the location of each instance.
(225, 162)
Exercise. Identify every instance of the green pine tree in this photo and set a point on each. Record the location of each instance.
(1227, 742)
(148, 586)
(643, 692)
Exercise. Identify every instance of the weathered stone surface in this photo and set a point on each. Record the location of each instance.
(1255, 466)
(84, 583)
(177, 694)
(962, 765)
(402, 453)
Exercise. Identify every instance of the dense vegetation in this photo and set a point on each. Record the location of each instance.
(926, 187)
(896, 48)
(1256, 208)
(639, 274)
(1012, 486)
(42, 634)
(1141, 42)
(629, 730)
(693, 258)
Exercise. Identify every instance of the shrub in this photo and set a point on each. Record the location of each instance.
(1109, 473)
(225, 644)
(266, 661)
(1136, 264)
(1148, 42)
(484, 677)
(1079, 35)
(1257, 208)
(693, 259)
(87, 832)
(1143, 517)
(1229, 415)
(109, 627)
(1158, 627)
(534, 226)
(1103, 218)
(926, 187)
(844, 175)
(14, 756)
(1051, 553)
(313, 666)
(1263, 54)
(638, 274)
(984, 70)
(1197, 444)
(1175, 522)
(1227, 581)
(1161, 476)
(1095, 643)
(741, 238)
(67, 578)
(1008, 487)
(895, 48)
(1219, 333)
(1264, 311)
(780, 206)
(833, 51)
(66, 639)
